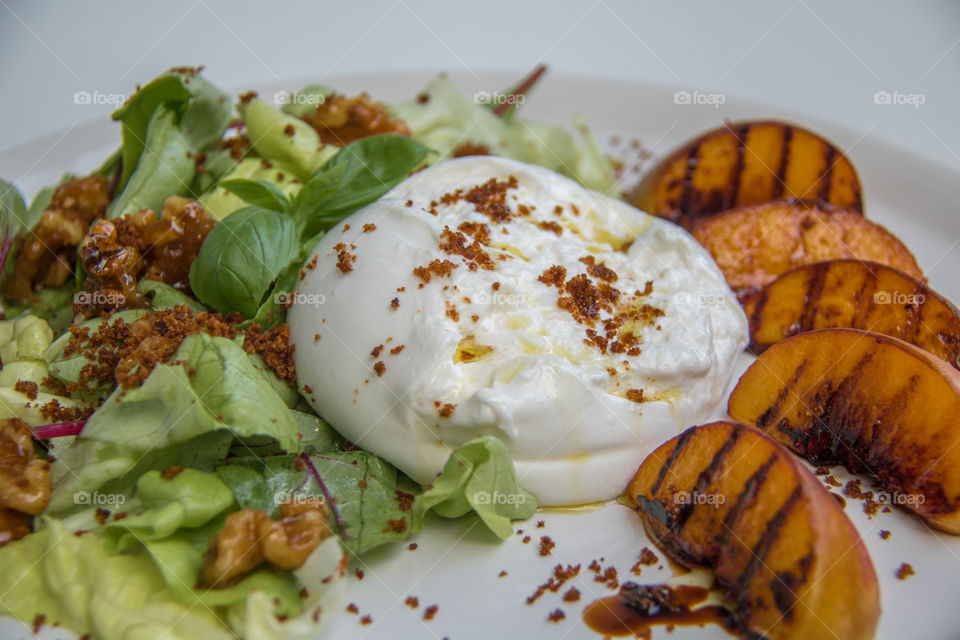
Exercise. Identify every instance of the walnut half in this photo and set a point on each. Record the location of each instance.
(249, 538)
(47, 252)
(24, 480)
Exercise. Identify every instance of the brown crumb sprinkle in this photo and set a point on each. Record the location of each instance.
(368, 227)
(359, 573)
(27, 388)
(904, 571)
(126, 353)
(559, 577)
(379, 368)
(396, 350)
(352, 608)
(171, 472)
(395, 304)
(470, 149)
(884, 534)
(648, 557)
(502, 574)
(546, 545)
(345, 259)
(572, 595)
(412, 601)
(412, 546)
(635, 395)
(556, 615)
(541, 524)
(551, 226)
(367, 619)
(430, 612)
(447, 410)
(376, 351)
(438, 268)
(398, 525)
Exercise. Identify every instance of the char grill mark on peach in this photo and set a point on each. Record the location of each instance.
(785, 146)
(760, 550)
(683, 511)
(875, 404)
(765, 418)
(688, 190)
(741, 135)
(745, 499)
(833, 436)
(815, 291)
(854, 294)
(671, 459)
(779, 543)
(826, 179)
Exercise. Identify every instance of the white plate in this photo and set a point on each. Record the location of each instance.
(457, 563)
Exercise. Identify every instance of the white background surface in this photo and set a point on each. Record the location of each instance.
(815, 56)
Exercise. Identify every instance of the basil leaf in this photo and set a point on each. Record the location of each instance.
(241, 257)
(360, 173)
(259, 193)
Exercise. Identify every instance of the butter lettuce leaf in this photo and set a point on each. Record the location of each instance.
(76, 582)
(479, 476)
(191, 499)
(163, 296)
(214, 392)
(165, 125)
(450, 118)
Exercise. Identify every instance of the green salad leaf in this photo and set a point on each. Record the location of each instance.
(136, 112)
(306, 100)
(53, 305)
(165, 125)
(322, 578)
(78, 583)
(479, 476)
(242, 257)
(449, 118)
(221, 202)
(373, 503)
(165, 167)
(13, 210)
(284, 139)
(359, 174)
(257, 250)
(259, 193)
(190, 499)
(68, 368)
(163, 296)
(214, 392)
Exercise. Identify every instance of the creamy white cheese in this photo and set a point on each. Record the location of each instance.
(492, 349)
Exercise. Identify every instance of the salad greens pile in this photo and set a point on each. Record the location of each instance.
(119, 549)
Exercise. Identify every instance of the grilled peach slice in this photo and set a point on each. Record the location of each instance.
(755, 244)
(728, 497)
(875, 404)
(858, 295)
(748, 163)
